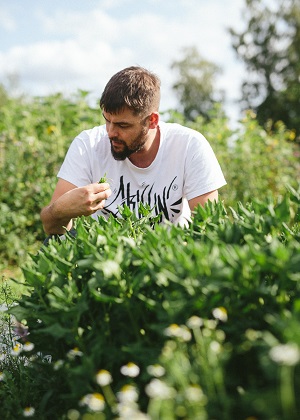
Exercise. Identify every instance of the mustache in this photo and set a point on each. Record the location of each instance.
(116, 140)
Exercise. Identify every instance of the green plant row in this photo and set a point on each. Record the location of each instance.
(133, 319)
(35, 134)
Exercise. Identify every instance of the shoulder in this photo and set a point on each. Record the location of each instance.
(93, 133)
(92, 136)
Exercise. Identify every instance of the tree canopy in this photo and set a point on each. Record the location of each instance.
(270, 47)
(195, 86)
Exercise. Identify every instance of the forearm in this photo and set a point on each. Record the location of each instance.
(54, 220)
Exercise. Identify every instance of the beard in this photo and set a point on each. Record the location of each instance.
(123, 151)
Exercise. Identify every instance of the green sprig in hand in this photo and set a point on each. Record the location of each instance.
(103, 179)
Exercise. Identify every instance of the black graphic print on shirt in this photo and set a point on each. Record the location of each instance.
(161, 203)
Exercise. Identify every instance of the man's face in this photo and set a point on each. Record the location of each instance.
(128, 133)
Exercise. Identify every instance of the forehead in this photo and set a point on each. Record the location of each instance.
(125, 115)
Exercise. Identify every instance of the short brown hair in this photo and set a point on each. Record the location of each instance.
(132, 87)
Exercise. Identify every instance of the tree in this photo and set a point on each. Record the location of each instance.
(270, 48)
(195, 87)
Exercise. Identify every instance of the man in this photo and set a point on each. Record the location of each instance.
(170, 167)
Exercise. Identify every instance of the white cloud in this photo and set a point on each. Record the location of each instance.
(84, 49)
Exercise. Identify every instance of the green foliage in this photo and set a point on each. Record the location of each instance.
(34, 137)
(35, 134)
(257, 163)
(201, 322)
(270, 48)
(195, 86)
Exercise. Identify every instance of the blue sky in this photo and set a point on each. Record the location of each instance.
(65, 45)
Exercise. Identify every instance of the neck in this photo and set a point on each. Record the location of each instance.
(144, 157)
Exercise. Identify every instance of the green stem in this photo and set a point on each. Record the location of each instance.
(287, 392)
(110, 397)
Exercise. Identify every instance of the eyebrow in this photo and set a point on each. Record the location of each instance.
(118, 122)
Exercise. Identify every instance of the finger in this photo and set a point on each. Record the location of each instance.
(101, 187)
(99, 204)
(103, 195)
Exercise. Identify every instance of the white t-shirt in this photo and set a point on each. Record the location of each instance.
(185, 167)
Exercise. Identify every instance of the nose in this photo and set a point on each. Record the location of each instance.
(111, 130)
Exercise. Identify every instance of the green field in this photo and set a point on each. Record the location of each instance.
(134, 320)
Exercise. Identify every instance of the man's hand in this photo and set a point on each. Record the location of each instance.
(83, 201)
(69, 202)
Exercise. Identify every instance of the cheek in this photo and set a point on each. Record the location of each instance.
(129, 135)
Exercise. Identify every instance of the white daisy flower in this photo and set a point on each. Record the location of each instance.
(220, 314)
(128, 394)
(156, 370)
(194, 322)
(28, 412)
(131, 370)
(103, 377)
(285, 354)
(28, 346)
(159, 389)
(95, 402)
(16, 350)
(194, 393)
(73, 353)
(181, 332)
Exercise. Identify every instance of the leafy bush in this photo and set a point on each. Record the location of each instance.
(135, 317)
(257, 163)
(34, 137)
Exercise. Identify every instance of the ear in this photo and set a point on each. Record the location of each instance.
(153, 119)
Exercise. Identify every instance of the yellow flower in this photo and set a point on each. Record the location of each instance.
(51, 129)
(292, 135)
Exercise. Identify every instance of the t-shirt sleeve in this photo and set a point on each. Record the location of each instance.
(202, 169)
(76, 167)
